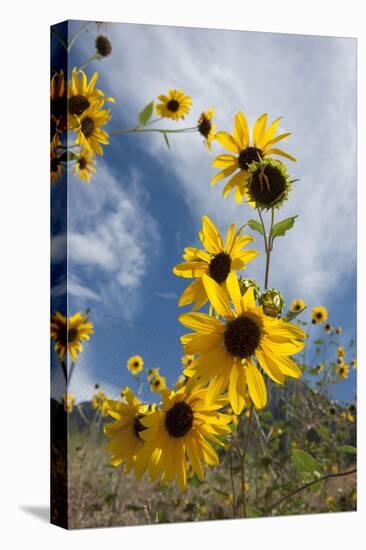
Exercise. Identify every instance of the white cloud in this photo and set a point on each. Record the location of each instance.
(310, 80)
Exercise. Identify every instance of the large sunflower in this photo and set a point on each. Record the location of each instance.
(229, 350)
(174, 105)
(217, 260)
(126, 445)
(68, 333)
(184, 430)
(246, 152)
(88, 127)
(81, 94)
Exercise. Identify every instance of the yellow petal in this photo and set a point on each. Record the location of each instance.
(228, 142)
(223, 174)
(232, 285)
(248, 300)
(217, 296)
(241, 130)
(223, 161)
(201, 322)
(237, 387)
(259, 129)
(280, 153)
(269, 365)
(190, 270)
(256, 385)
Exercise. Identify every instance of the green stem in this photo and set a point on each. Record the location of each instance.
(94, 57)
(138, 129)
(269, 250)
(76, 36)
(59, 38)
(232, 480)
(242, 462)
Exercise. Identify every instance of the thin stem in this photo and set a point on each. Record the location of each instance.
(232, 480)
(264, 230)
(76, 36)
(269, 250)
(64, 370)
(306, 486)
(138, 129)
(94, 57)
(59, 38)
(242, 462)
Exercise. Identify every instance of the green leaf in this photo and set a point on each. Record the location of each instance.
(349, 449)
(279, 229)
(167, 141)
(146, 113)
(253, 512)
(292, 314)
(318, 342)
(304, 461)
(255, 226)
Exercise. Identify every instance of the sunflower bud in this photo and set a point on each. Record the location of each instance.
(103, 45)
(272, 302)
(244, 284)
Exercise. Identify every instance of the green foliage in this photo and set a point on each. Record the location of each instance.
(146, 113)
(166, 141)
(349, 449)
(305, 462)
(255, 226)
(280, 228)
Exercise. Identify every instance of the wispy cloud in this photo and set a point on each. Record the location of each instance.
(167, 295)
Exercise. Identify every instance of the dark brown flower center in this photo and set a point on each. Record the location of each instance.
(66, 336)
(136, 364)
(173, 105)
(179, 419)
(137, 426)
(58, 107)
(83, 163)
(156, 383)
(55, 163)
(103, 46)
(220, 266)
(318, 315)
(87, 126)
(249, 155)
(242, 337)
(204, 127)
(297, 307)
(267, 185)
(78, 104)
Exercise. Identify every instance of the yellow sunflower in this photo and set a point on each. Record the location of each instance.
(297, 305)
(88, 127)
(58, 108)
(341, 352)
(81, 94)
(174, 105)
(56, 167)
(207, 128)
(354, 363)
(187, 360)
(246, 152)
(99, 402)
(339, 330)
(343, 371)
(151, 373)
(135, 364)
(183, 431)
(328, 328)
(228, 350)
(68, 402)
(126, 445)
(84, 166)
(319, 315)
(157, 383)
(217, 261)
(69, 333)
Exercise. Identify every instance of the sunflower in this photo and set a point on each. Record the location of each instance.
(152, 373)
(354, 363)
(124, 391)
(69, 332)
(81, 94)
(68, 402)
(328, 328)
(99, 402)
(183, 431)
(84, 166)
(88, 128)
(247, 152)
(175, 105)
(126, 445)
(343, 371)
(217, 261)
(297, 305)
(206, 127)
(58, 108)
(339, 330)
(319, 315)
(135, 364)
(341, 352)
(56, 167)
(269, 184)
(187, 360)
(157, 383)
(228, 350)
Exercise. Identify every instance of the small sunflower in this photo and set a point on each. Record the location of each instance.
(206, 127)
(319, 315)
(99, 402)
(341, 352)
(135, 364)
(174, 105)
(68, 333)
(84, 166)
(297, 305)
(268, 185)
(354, 363)
(152, 373)
(56, 167)
(157, 384)
(343, 371)
(228, 351)
(81, 94)
(338, 330)
(187, 360)
(58, 107)
(328, 328)
(68, 402)
(182, 433)
(217, 261)
(124, 391)
(246, 152)
(89, 132)
(126, 445)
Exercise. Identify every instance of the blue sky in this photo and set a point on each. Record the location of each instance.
(128, 228)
